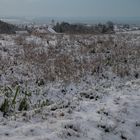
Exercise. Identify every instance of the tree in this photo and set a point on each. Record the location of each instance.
(110, 25)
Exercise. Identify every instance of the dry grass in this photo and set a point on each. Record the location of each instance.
(65, 59)
(75, 56)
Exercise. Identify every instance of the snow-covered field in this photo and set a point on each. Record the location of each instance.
(83, 87)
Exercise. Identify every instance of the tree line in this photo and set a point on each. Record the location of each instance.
(65, 27)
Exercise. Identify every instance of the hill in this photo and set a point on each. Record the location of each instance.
(6, 28)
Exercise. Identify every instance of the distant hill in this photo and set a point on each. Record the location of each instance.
(6, 28)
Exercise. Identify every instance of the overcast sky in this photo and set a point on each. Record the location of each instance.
(70, 8)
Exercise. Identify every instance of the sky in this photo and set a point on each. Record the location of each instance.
(70, 8)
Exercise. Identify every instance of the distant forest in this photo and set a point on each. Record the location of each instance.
(65, 27)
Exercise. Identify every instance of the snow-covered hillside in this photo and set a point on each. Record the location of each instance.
(77, 87)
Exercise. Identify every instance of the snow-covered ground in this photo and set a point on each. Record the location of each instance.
(98, 114)
(131, 32)
(92, 85)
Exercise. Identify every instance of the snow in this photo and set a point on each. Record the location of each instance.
(130, 32)
(113, 116)
(51, 30)
(21, 32)
(93, 109)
